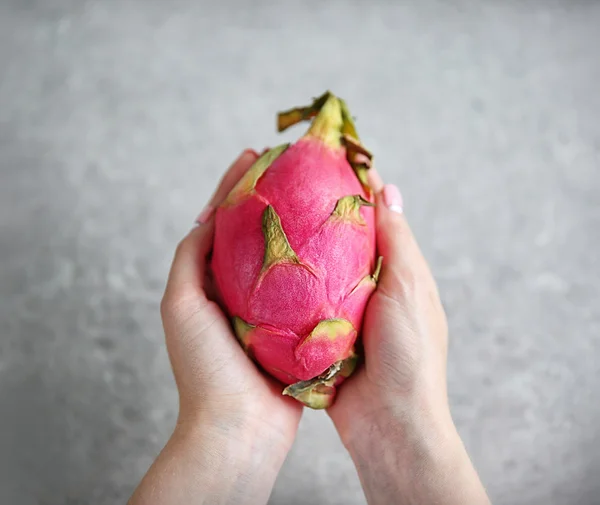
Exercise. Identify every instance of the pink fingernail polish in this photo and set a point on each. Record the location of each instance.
(205, 215)
(393, 198)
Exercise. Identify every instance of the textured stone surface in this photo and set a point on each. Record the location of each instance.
(117, 119)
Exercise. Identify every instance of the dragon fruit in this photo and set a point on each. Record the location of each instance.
(294, 253)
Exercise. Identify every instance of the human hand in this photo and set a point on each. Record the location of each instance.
(393, 414)
(404, 333)
(214, 376)
(234, 427)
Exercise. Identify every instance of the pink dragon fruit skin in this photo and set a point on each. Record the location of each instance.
(294, 253)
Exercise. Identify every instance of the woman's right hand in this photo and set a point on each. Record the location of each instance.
(393, 415)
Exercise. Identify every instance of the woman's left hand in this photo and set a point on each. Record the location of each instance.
(234, 427)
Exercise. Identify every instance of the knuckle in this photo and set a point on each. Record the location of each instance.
(178, 304)
(181, 246)
(409, 283)
(166, 305)
(405, 283)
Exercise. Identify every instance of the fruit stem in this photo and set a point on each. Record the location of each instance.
(329, 123)
(334, 126)
(290, 117)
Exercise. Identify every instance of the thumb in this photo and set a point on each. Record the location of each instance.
(404, 267)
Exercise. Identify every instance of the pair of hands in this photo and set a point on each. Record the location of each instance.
(235, 428)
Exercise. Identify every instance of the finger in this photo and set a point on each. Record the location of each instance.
(238, 168)
(403, 263)
(188, 270)
(186, 278)
(374, 180)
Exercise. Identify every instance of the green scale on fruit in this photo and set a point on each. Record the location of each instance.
(294, 254)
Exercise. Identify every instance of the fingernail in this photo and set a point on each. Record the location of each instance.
(249, 151)
(362, 159)
(392, 198)
(205, 215)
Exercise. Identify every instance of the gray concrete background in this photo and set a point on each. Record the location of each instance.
(117, 118)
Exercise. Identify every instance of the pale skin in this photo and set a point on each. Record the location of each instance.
(235, 428)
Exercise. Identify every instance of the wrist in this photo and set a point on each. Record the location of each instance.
(406, 436)
(418, 457)
(212, 460)
(382, 415)
(236, 424)
(237, 442)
